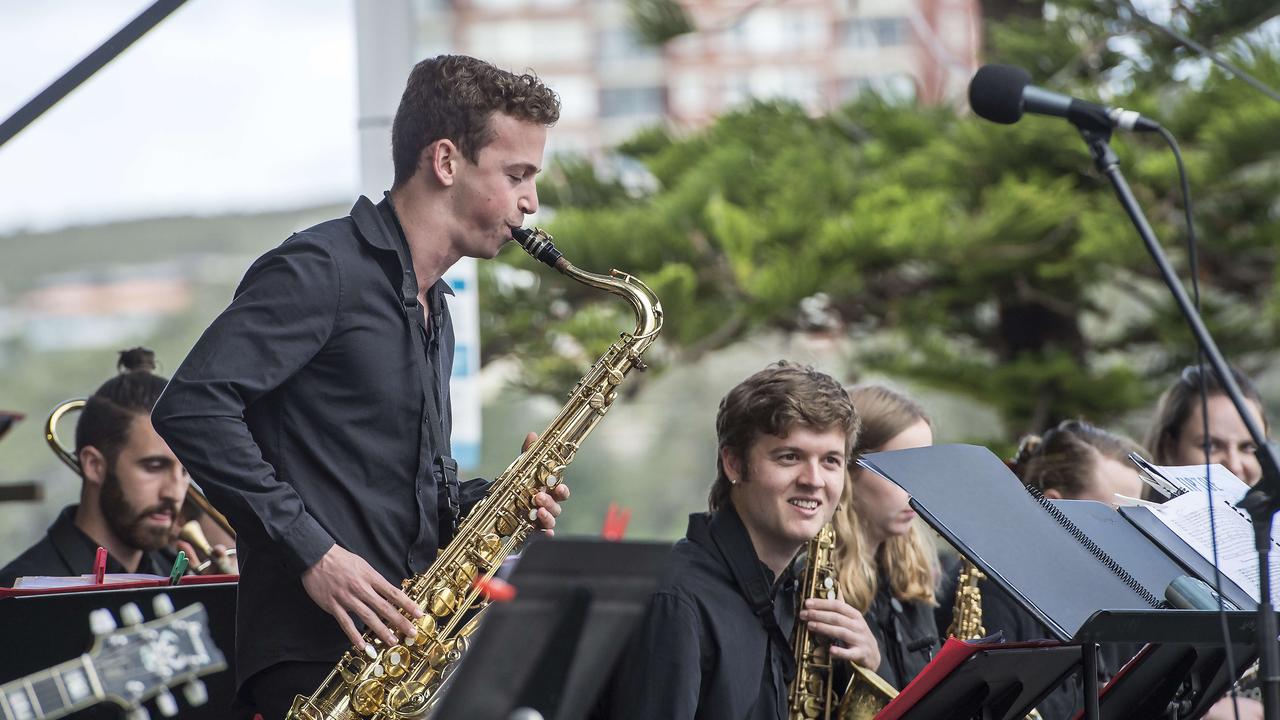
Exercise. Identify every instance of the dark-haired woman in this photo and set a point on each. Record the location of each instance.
(1177, 435)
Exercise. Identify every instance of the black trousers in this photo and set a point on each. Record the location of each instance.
(271, 691)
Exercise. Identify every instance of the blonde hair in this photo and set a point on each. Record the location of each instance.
(909, 561)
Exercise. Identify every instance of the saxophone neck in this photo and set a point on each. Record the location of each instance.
(644, 303)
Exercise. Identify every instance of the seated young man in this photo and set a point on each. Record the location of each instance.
(132, 490)
(715, 641)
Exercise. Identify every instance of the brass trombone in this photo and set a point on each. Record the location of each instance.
(194, 494)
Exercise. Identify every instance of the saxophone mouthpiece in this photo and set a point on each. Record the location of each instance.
(538, 243)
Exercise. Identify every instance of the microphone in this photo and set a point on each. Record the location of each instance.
(1001, 93)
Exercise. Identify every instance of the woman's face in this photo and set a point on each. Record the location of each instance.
(1229, 442)
(882, 505)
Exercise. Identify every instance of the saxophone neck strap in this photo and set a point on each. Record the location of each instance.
(730, 538)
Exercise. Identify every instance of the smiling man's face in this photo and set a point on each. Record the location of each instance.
(788, 488)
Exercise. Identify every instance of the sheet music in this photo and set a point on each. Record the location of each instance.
(1178, 480)
(1188, 516)
(28, 582)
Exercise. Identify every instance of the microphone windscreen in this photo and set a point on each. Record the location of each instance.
(995, 93)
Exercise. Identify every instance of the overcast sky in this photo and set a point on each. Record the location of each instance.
(226, 105)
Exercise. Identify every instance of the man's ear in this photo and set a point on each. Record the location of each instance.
(732, 465)
(1053, 494)
(93, 464)
(441, 159)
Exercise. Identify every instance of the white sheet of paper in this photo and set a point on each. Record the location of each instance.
(1188, 516)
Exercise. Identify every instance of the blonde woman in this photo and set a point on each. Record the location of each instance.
(888, 566)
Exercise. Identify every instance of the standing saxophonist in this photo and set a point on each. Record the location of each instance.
(715, 640)
(316, 406)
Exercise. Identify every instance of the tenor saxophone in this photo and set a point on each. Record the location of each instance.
(812, 693)
(404, 680)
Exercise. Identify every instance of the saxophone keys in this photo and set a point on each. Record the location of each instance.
(443, 601)
(438, 655)
(549, 474)
(350, 667)
(395, 661)
(614, 376)
(368, 696)
(465, 573)
(408, 699)
(598, 402)
(426, 626)
(487, 547)
(505, 525)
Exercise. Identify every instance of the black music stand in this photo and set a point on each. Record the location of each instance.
(1099, 558)
(1182, 671)
(994, 681)
(552, 649)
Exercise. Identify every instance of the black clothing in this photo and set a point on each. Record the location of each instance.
(700, 651)
(313, 411)
(905, 634)
(271, 692)
(67, 550)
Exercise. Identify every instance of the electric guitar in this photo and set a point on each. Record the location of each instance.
(125, 666)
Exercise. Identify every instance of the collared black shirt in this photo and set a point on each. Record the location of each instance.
(700, 651)
(313, 411)
(66, 550)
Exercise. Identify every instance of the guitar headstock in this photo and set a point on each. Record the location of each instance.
(141, 661)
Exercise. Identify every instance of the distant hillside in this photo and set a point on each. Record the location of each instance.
(30, 256)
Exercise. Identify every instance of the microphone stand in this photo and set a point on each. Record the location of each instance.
(1263, 499)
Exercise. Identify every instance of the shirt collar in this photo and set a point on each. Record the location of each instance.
(379, 227)
(78, 551)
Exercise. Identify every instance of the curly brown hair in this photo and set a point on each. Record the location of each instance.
(453, 97)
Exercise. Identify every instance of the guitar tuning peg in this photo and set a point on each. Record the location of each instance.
(131, 614)
(161, 605)
(101, 622)
(196, 693)
(138, 713)
(167, 704)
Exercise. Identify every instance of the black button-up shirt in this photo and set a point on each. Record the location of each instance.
(66, 550)
(700, 651)
(315, 410)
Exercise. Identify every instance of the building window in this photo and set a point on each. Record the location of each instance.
(897, 87)
(632, 101)
(621, 44)
(877, 32)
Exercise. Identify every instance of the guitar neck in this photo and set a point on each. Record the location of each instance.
(52, 693)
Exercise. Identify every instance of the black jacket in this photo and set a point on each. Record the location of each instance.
(701, 651)
(315, 410)
(905, 634)
(66, 551)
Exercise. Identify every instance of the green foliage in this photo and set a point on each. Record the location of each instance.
(987, 260)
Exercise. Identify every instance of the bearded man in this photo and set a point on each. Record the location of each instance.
(133, 485)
